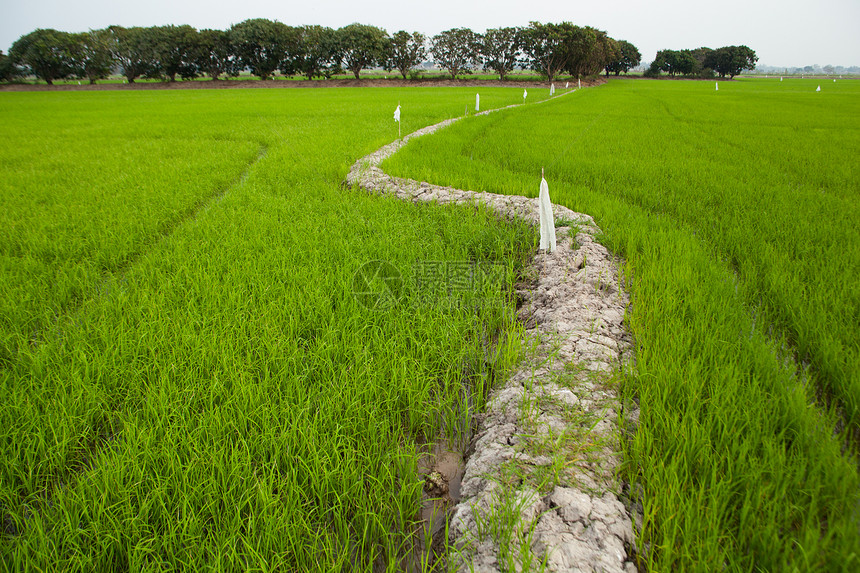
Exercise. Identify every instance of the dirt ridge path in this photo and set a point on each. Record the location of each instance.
(541, 485)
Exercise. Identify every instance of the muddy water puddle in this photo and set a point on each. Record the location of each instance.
(441, 467)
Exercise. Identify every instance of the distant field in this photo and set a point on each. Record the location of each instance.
(738, 214)
(187, 380)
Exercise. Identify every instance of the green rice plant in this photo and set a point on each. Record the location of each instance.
(188, 379)
(736, 212)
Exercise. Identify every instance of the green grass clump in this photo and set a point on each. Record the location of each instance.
(188, 381)
(737, 213)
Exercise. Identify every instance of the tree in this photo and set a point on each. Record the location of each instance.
(548, 47)
(261, 45)
(8, 70)
(362, 46)
(731, 60)
(406, 51)
(628, 58)
(93, 54)
(501, 50)
(47, 53)
(176, 49)
(135, 51)
(590, 51)
(214, 54)
(675, 62)
(456, 50)
(316, 53)
(701, 56)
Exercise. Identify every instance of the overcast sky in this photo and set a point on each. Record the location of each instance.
(782, 32)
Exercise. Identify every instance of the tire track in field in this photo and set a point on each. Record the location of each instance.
(115, 273)
(541, 485)
(105, 436)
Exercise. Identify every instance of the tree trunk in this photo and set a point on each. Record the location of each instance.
(356, 72)
(49, 81)
(92, 81)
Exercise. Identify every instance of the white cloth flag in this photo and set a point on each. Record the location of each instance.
(566, 85)
(477, 102)
(717, 86)
(551, 89)
(818, 89)
(525, 93)
(579, 83)
(547, 223)
(397, 113)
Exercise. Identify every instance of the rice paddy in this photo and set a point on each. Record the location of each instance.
(737, 213)
(188, 381)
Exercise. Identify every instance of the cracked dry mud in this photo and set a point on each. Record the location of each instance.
(540, 486)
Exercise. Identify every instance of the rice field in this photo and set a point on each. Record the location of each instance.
(738, 216)
(188, 381)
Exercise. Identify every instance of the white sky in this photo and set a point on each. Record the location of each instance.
(782, 32)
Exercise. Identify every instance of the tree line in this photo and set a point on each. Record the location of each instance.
(703, 62)
(264, 47)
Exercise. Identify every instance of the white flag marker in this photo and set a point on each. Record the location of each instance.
(566, 85)
(477, 102)
(818, 89)
(717, 86)
(547, 222)
(397, 119)
(780, 79)
(579, 83)
(551, 89)
(525, 93)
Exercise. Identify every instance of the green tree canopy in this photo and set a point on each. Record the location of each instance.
(46, 53)
(261, 45)
(674, 62)
(548, 47)
(93, 54)
(590, 51)
(701, 55)
(731, 60)
(456, 50)
(362, 46)
(8, 70)
(176, 49)
(214, 54)
(135, 51)
(318, 52)
(406, 51)
(501, 50)
(628, 58)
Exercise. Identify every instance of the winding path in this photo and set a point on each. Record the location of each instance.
(541, 485)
